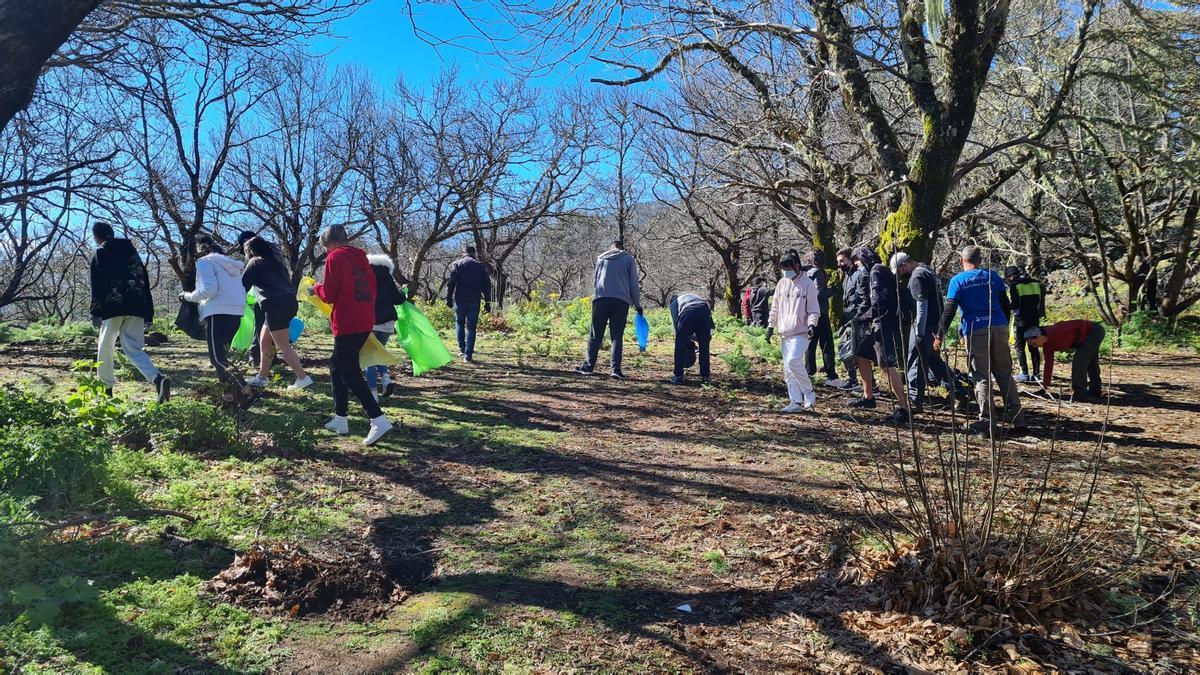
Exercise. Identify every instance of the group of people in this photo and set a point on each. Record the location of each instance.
(894, 318)
(362, 292)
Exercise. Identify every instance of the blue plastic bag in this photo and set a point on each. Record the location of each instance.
(642, 327)
(295, 329)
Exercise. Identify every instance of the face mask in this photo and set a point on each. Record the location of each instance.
(790, 274)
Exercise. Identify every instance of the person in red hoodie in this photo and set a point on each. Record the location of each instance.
(349, 285)
(1084, 337)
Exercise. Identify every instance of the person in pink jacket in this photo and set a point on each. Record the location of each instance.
(795, 311)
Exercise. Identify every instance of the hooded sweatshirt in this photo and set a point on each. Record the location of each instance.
(617, 277)
(796, 306)
(349, 286)
(120, 284)
(218, 286)
(468, 282)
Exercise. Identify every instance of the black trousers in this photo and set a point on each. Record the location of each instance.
(823, 340)
(1035, 357)
(696, 324)
(347, 376)
(219, 330)
(612, 314)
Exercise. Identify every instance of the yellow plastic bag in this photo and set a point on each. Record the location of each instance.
(373, 352)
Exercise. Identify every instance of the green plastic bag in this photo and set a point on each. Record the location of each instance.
(245, 335)
(420, 339)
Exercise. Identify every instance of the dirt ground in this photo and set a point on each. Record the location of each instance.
(565, 523)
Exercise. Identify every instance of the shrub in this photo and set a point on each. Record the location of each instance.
(738, 364)
(60, 465)
(20, 407)
(1145, 330)
(49, 330)
(315, 323)
(441, 316)
(577, 316)
(181, 425)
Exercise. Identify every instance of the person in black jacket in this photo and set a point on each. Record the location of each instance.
(268, 276)
(692, 318)
(823, 335)
(882, 320)
(121, 307)
(1028, 299)
(387, 296)
(925, 312)
(468, 285)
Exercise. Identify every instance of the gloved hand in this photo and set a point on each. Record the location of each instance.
(96, 321)
(638, 309)
(811, 331)
(770, 332)
(183, 297)
(311, 290)
(450, 304)
(937, 344)
(487, 308)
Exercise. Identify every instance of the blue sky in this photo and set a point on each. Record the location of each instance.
(380, 36)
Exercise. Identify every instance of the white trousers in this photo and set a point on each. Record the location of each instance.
(795, 373)
(132, 331)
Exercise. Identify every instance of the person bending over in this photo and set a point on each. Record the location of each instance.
(693, 321)
(1082, 336)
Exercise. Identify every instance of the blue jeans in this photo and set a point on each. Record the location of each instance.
(466, 319)
(375, 372)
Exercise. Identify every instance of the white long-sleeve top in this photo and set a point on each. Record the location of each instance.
(795, 306)
(219, 287)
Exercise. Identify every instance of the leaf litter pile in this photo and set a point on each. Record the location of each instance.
(298, 582)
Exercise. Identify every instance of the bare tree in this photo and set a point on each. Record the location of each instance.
(32, 33)
(298, 172)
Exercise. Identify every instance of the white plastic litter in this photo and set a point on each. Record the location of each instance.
(685, 608)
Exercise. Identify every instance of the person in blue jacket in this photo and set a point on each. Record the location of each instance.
(693, 321)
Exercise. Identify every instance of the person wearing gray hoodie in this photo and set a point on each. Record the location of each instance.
(616, 289)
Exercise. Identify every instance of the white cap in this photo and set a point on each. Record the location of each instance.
(898, 259)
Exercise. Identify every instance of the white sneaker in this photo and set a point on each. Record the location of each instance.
(338, 425)
(792, 408)
(379, 426)
(258, 381)
(1021, 377)
(301, 384)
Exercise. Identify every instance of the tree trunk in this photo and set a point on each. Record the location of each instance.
(1170, 305)
(910, 226)
(30, 32)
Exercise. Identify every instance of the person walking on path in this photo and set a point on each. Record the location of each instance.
(387, 296)
(616, 290)
(222, 302)
(881, 321)
(926, 294)
(823, 336)
(467, 287)
(1028, 299)
(850, 309)
(121, 307)
(760, 303)
(980, 295)
(1084, 337)
(692, 318)
(268, 276)
(795, 313)
(349, 285)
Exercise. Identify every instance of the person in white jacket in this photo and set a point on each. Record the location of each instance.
(222, 301)
(795, 312)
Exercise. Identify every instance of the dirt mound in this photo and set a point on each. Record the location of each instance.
(290, 579)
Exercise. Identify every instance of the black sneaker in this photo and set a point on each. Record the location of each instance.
(899, 416)
(390, 389)
(705, 381)
(864, 403)
(162, 383)
(108, 392)
(981, 427)
(583, 370)
(676, 379)
(617, 375)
